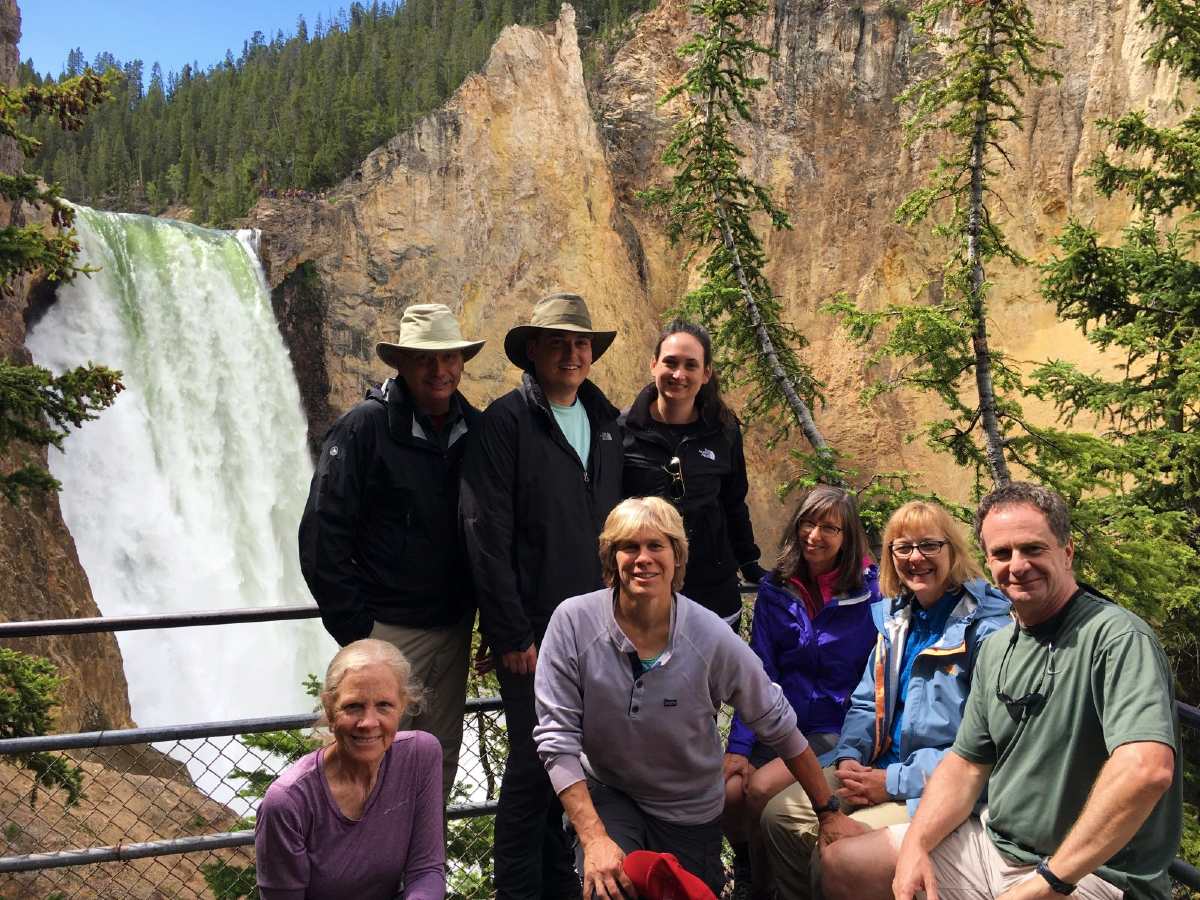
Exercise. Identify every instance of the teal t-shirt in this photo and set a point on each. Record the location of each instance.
(576, 428)
(1106, 682)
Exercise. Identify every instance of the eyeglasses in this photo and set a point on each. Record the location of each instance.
(829, 531)
(675, 487)
(1031, 703)
(925, 548)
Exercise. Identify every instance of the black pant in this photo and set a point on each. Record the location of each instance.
(532, 853)
(697, 847)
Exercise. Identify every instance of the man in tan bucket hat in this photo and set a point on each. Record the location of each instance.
(538, 484)
(380, 546)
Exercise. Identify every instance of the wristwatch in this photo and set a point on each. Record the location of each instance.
(833, 804)
(1056, 884)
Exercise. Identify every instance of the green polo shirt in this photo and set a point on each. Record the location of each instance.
(1106, 682)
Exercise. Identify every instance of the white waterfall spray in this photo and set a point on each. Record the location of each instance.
(186, 494)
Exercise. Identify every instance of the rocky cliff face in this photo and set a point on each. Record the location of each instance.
(117, 806)
(40, 574)
(503, 196)
(526, 182)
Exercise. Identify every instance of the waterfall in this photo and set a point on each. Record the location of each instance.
(186, 494)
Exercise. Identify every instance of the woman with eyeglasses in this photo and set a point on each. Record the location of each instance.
(682, 443)
(812, 630)
(908, 704)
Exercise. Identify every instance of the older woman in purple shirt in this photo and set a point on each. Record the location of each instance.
(362, 816)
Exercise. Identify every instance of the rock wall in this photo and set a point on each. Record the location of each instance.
(40, 574)
(117, 806)
(504, 195)
(526, 182)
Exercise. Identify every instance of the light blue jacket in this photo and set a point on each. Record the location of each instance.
(937, 689)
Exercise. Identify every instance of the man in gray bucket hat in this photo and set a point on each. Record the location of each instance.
(538, 484)
(380, 545)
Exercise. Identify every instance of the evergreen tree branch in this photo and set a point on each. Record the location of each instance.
(38, 408)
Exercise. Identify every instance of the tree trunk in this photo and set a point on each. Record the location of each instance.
(800, 410)
(993, 437)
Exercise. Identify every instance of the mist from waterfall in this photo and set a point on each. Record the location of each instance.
(186, 493)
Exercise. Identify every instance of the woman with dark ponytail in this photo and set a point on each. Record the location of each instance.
(682, 443)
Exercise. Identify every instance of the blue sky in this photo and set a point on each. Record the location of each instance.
(172, 33)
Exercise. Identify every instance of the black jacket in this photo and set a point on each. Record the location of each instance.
(531, 512)
(715, 517)
(379, 539)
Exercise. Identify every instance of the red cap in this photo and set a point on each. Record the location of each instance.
(659, 876)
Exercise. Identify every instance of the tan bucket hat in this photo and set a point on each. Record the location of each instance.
(430, 327)
(558, 312)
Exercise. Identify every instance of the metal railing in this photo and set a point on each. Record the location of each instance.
(1180, 870)
(145, 736)
(146, 794)
(165, 811)
(157, 798)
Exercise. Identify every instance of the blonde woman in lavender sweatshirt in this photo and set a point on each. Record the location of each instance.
(629, 683)
(362, 816)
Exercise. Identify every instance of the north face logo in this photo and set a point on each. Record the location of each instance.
(708, 454)
(605, 436)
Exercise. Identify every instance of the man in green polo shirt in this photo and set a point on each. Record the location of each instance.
(1070, 726)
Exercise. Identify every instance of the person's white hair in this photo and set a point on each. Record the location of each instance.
(359, 655)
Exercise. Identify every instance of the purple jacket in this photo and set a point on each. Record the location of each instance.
(817, 662)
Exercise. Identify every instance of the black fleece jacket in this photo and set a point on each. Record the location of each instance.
(532, 513)
(713, 505)
(379, 538)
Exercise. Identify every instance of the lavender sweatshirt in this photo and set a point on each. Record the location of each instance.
(653, 737)
(306, 849)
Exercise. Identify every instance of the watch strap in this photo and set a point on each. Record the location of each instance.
(1056, 884)
(833, 804)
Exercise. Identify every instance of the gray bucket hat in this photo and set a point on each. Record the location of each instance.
(558, 312)
(430, 327)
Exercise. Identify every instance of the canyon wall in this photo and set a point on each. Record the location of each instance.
(504, 195)
(526, 182)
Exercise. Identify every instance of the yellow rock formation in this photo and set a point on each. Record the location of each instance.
(525, 182)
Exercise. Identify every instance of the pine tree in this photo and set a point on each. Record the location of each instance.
(29, 690)
(75, 63)
(711, 205)
(1137, 483)
(972, 98)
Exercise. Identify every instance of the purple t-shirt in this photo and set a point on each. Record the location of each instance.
(306, 849)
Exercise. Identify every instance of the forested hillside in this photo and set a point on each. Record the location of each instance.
(288, 113)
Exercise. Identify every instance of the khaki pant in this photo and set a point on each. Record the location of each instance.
(789, 829)
(968, 866)
(439, 658)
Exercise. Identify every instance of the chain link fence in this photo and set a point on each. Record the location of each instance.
(123, 800)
